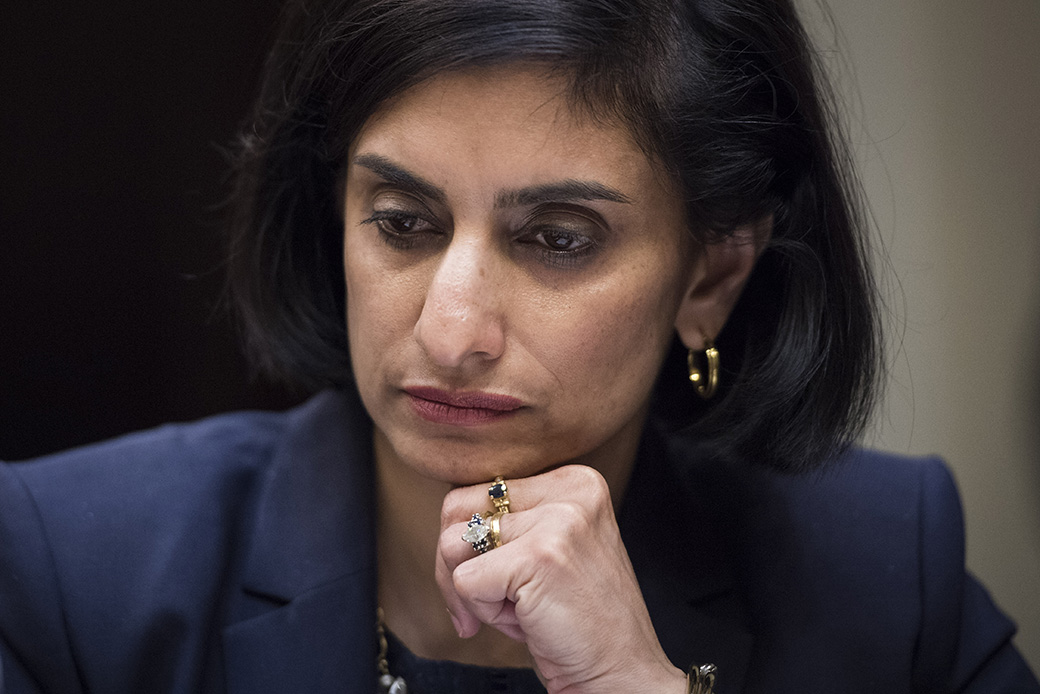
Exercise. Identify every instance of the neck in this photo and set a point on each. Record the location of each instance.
(408, 530)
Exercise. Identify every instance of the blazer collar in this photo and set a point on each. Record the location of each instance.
(306, 618)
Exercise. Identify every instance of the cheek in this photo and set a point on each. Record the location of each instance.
(358, 298)
(377, 307)
(612, 342)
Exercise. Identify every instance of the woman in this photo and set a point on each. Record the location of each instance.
(508, 237)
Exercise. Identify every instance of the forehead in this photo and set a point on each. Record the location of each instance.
(505, 126)
(522, 93)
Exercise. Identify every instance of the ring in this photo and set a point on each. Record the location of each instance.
(477, 534)
(495, 534)
(499, 493)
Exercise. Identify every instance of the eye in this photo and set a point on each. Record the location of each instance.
(561, 238)
(562, 241)
(400, 228)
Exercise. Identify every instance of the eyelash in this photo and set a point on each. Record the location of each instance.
(410, 239)
(382, 219)
(561, 258)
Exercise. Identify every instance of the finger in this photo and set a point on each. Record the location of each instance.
(583, 487)
(507, 623)
(513, 632)
(488, 586)
(547, 543)
(453, 550)
(578, 482)
(462, 502)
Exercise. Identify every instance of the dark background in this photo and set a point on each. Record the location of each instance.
(113, 118)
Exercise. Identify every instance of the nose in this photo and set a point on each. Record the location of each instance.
(461, 320)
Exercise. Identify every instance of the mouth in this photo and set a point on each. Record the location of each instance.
(461, 408)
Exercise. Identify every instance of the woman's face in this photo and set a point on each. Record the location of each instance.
(513, 276)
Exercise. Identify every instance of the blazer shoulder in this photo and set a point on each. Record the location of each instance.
(896, 518)
(872, 490)
(94, 538)
(873, 545)
(122, 563)
(236, 437)
(143, 487)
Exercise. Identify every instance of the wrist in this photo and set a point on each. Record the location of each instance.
(673, 681)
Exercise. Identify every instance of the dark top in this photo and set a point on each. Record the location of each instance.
(435, 676)
(236, 555)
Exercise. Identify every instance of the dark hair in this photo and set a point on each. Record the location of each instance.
(724, 93)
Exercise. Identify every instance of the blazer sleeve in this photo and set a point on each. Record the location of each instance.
(35, 656)
(965, 641)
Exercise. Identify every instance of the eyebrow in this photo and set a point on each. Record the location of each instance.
(392, 173)
(555, 192)
(561, 191)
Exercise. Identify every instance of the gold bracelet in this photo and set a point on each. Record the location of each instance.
(700, 679)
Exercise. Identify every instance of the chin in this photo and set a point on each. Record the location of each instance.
(462, 464)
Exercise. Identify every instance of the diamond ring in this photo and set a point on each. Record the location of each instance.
(477, 534)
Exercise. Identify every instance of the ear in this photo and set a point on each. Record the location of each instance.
(718, 275)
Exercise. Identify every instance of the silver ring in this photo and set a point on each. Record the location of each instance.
(477, 534)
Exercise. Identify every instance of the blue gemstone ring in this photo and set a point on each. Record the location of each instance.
(476, 534)
(499, 493)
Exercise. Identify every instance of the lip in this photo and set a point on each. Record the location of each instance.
(461, 408)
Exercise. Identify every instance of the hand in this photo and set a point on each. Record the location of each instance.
(561, 582)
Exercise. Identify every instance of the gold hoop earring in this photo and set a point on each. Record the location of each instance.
(706, 386)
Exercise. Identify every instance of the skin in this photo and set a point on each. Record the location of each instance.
(474, 264)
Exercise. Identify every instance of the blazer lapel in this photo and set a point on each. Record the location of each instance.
(305, 620)
(673, 529)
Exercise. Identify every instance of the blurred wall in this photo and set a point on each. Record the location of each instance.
(113, 118)
(943, 100)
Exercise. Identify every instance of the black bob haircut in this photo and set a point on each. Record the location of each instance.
(724, 94)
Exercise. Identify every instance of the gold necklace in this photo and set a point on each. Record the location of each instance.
(388, 684)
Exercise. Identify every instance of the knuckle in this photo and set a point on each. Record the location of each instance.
(550, 557)
(590, 484)
(452, 510)
(463, 579)
(553, 549)
(446, 541)
(569, 516)
(569, 529)
(595, 484)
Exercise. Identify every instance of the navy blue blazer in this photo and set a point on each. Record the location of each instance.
(236, 555)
